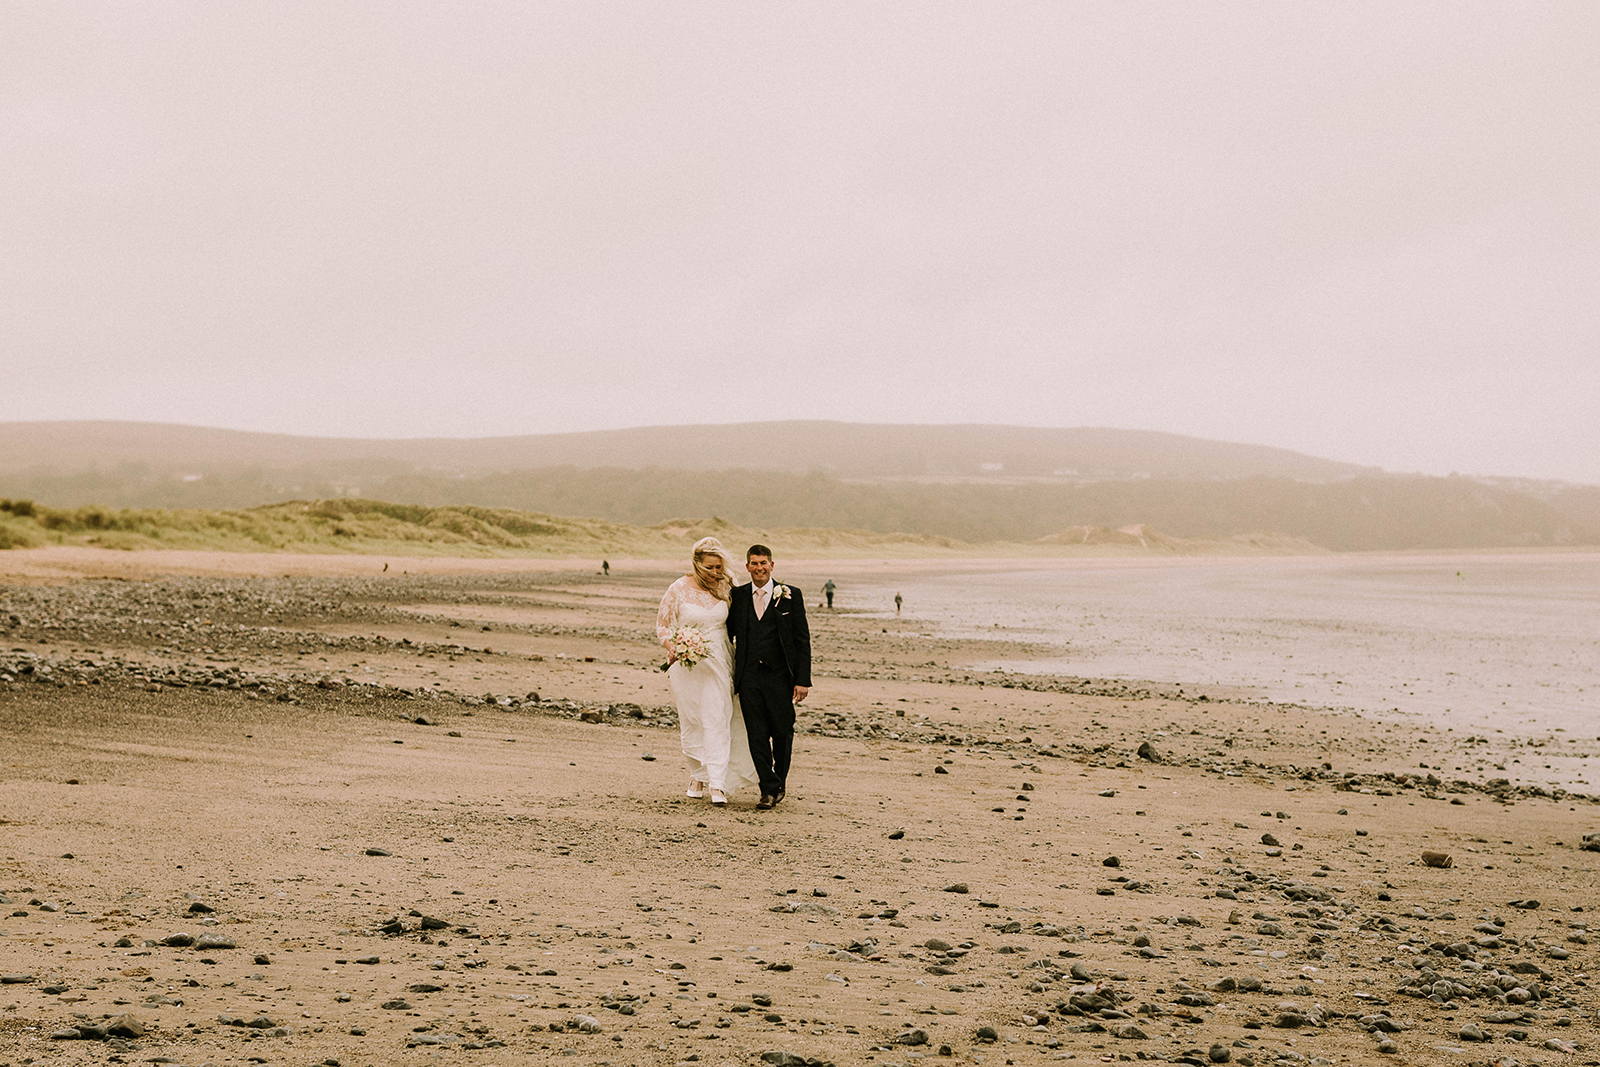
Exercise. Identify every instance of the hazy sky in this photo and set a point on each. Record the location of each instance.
(1368, 231)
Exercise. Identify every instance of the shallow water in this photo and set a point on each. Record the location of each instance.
(1477, 642)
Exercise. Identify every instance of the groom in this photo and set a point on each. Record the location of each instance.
(771, 668)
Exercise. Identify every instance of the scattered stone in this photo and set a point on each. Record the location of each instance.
(912, 1037)
(395, 1005)
(198, 908)
(432, 1039)
(126, 1026)
(1270, 841)
(587, 1023)
(956, 887)
(15, 979)
(1431, 858)
(780, 1058)
(1147, 751)
(1130, 1032)
(178, 940)
(378, 852)
(367, 960)
(896, 835)
(988, 1035)
(214, 941)
(1219, 1054)
(424, 987)
(1472, 1032)
(1525, 905)
(648, 757)
(1111, 861)
(1590, 843)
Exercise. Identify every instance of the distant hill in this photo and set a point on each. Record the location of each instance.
(845, 450)
(967, 484)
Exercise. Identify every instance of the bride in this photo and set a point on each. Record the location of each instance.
(712, 730)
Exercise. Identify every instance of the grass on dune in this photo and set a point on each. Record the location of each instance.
(375, 527)
(379, 528)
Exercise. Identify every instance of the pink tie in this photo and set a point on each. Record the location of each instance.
(761, 602)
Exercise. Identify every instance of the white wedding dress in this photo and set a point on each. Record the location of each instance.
(709, 721)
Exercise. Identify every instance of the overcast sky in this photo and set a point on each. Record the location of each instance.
(1368, 231)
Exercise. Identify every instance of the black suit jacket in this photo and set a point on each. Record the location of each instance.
(793, 633)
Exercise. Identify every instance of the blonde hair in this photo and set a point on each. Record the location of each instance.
(704, 549)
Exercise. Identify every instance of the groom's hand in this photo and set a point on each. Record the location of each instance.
(800, 692)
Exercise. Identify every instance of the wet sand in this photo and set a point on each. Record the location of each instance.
(384, 787)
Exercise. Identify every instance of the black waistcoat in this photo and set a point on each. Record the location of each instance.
(764, 644)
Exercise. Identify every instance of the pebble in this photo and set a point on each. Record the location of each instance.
(214, 941)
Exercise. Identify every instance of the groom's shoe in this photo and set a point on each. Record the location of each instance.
(765, 803)
(779, 795)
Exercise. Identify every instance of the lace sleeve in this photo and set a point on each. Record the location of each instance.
(667, 617)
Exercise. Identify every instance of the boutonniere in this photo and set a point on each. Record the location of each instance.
(780, 592)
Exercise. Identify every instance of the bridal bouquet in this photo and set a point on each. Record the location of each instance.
(690, 644)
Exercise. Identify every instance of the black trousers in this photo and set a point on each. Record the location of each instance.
(766, 698)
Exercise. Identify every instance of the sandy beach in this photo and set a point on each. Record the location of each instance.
(306, 810)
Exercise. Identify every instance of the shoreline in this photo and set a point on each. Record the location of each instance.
(1006, 655)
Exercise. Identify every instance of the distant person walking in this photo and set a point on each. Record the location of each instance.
(605, 567)
(827, 590)
(898, 600)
